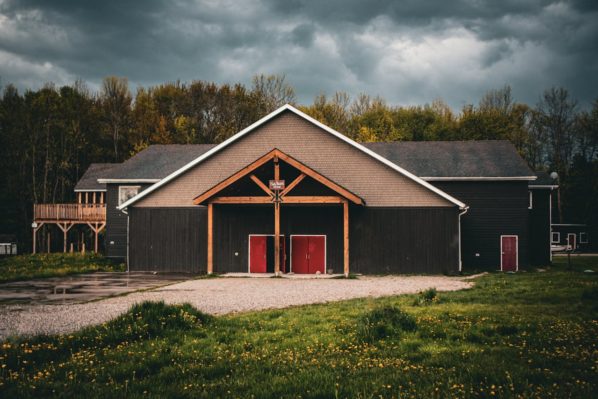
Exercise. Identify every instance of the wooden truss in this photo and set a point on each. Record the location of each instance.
(344, 196)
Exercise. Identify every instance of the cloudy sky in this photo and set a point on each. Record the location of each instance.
(409, 52)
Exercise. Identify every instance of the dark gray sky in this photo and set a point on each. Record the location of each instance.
(409, 52)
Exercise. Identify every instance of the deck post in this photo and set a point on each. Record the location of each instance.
(210, 266)
(346, 236)
(48, 243)
(96, 230)
(34, 239)
(65, 237)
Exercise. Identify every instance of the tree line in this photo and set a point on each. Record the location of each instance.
(49, 136)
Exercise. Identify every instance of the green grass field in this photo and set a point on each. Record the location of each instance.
(25, 267)
(525, 335)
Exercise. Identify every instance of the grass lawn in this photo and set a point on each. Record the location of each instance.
(520, 335)
(24, 267)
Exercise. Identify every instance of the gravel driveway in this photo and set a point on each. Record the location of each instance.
(216, 296)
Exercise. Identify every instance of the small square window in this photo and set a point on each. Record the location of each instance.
(556, 237)
(583, 238)
(125, 193)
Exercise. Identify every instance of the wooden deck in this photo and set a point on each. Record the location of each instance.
(65, 216)
(69, 213)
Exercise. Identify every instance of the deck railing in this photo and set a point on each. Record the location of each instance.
(70, 212)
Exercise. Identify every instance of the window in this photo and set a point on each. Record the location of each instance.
(583, 238)
(125, 193)
(531, 201)
(556, 237)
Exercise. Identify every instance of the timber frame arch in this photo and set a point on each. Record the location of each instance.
(214, 196)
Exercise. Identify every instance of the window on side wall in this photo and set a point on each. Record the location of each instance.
(556, 237)
(583, 238)
(125, 193)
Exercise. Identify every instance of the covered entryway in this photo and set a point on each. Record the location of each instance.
(261, 253)
(308, 254)
(509, 257)
(246, 188)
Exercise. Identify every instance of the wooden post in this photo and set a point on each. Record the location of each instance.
(34, 239)
(101, 197)
(96, 230)
(277, 238)
(86, 197)
(276, 223)
(94, 197)
(210, 267)
(64, 232)
(346, 236)
(79, 197)
(72, 249)
(48, 243)
(83, 248)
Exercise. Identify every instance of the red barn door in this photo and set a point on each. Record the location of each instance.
(257, 254)
(509, 256)
(308, 254)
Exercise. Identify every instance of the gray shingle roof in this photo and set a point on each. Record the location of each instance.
(491, 158)
(157, 161)
(89, 180)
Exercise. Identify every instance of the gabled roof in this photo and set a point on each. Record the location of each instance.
(89, 180)
(277, 154)
(457, 160)
(155, 163)
(265, 119)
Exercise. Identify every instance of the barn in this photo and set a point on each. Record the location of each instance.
(291, 195)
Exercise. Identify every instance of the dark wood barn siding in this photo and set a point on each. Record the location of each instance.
(168, 239)
(116, 223)
(404, 240)
(234, 223)
(539, 227)
(495, 209)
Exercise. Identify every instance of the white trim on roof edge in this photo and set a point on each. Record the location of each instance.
(104, 181)
(479, 178)
(288, 107)
(90, 190)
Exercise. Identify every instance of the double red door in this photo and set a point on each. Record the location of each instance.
(508, 253)
(261, 254)
(308, 254)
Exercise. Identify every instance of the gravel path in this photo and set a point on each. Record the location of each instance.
(216, 296)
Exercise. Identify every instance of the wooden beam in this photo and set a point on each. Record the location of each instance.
(233, 178)
(101, 197)
(79, 197)
(292, 185)
(210, 266)
(276, 167)
(277, 238)
(314, 199)
(241, 200)
(346, 237)
(318, 177)
(261, 185)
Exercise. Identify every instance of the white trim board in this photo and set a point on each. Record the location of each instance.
(265, 119)
(104, 181)
(478, 178)
(102, 190)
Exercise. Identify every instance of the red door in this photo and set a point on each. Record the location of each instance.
(572, 241)
(308, 254)
(299, 254)
(508, 253)
(257, 254)
(317, 254)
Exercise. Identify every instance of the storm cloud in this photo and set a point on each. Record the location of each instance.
(409, 52)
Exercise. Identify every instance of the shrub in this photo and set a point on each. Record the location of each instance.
(384, 322)
(147, 320)
(426, 297)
